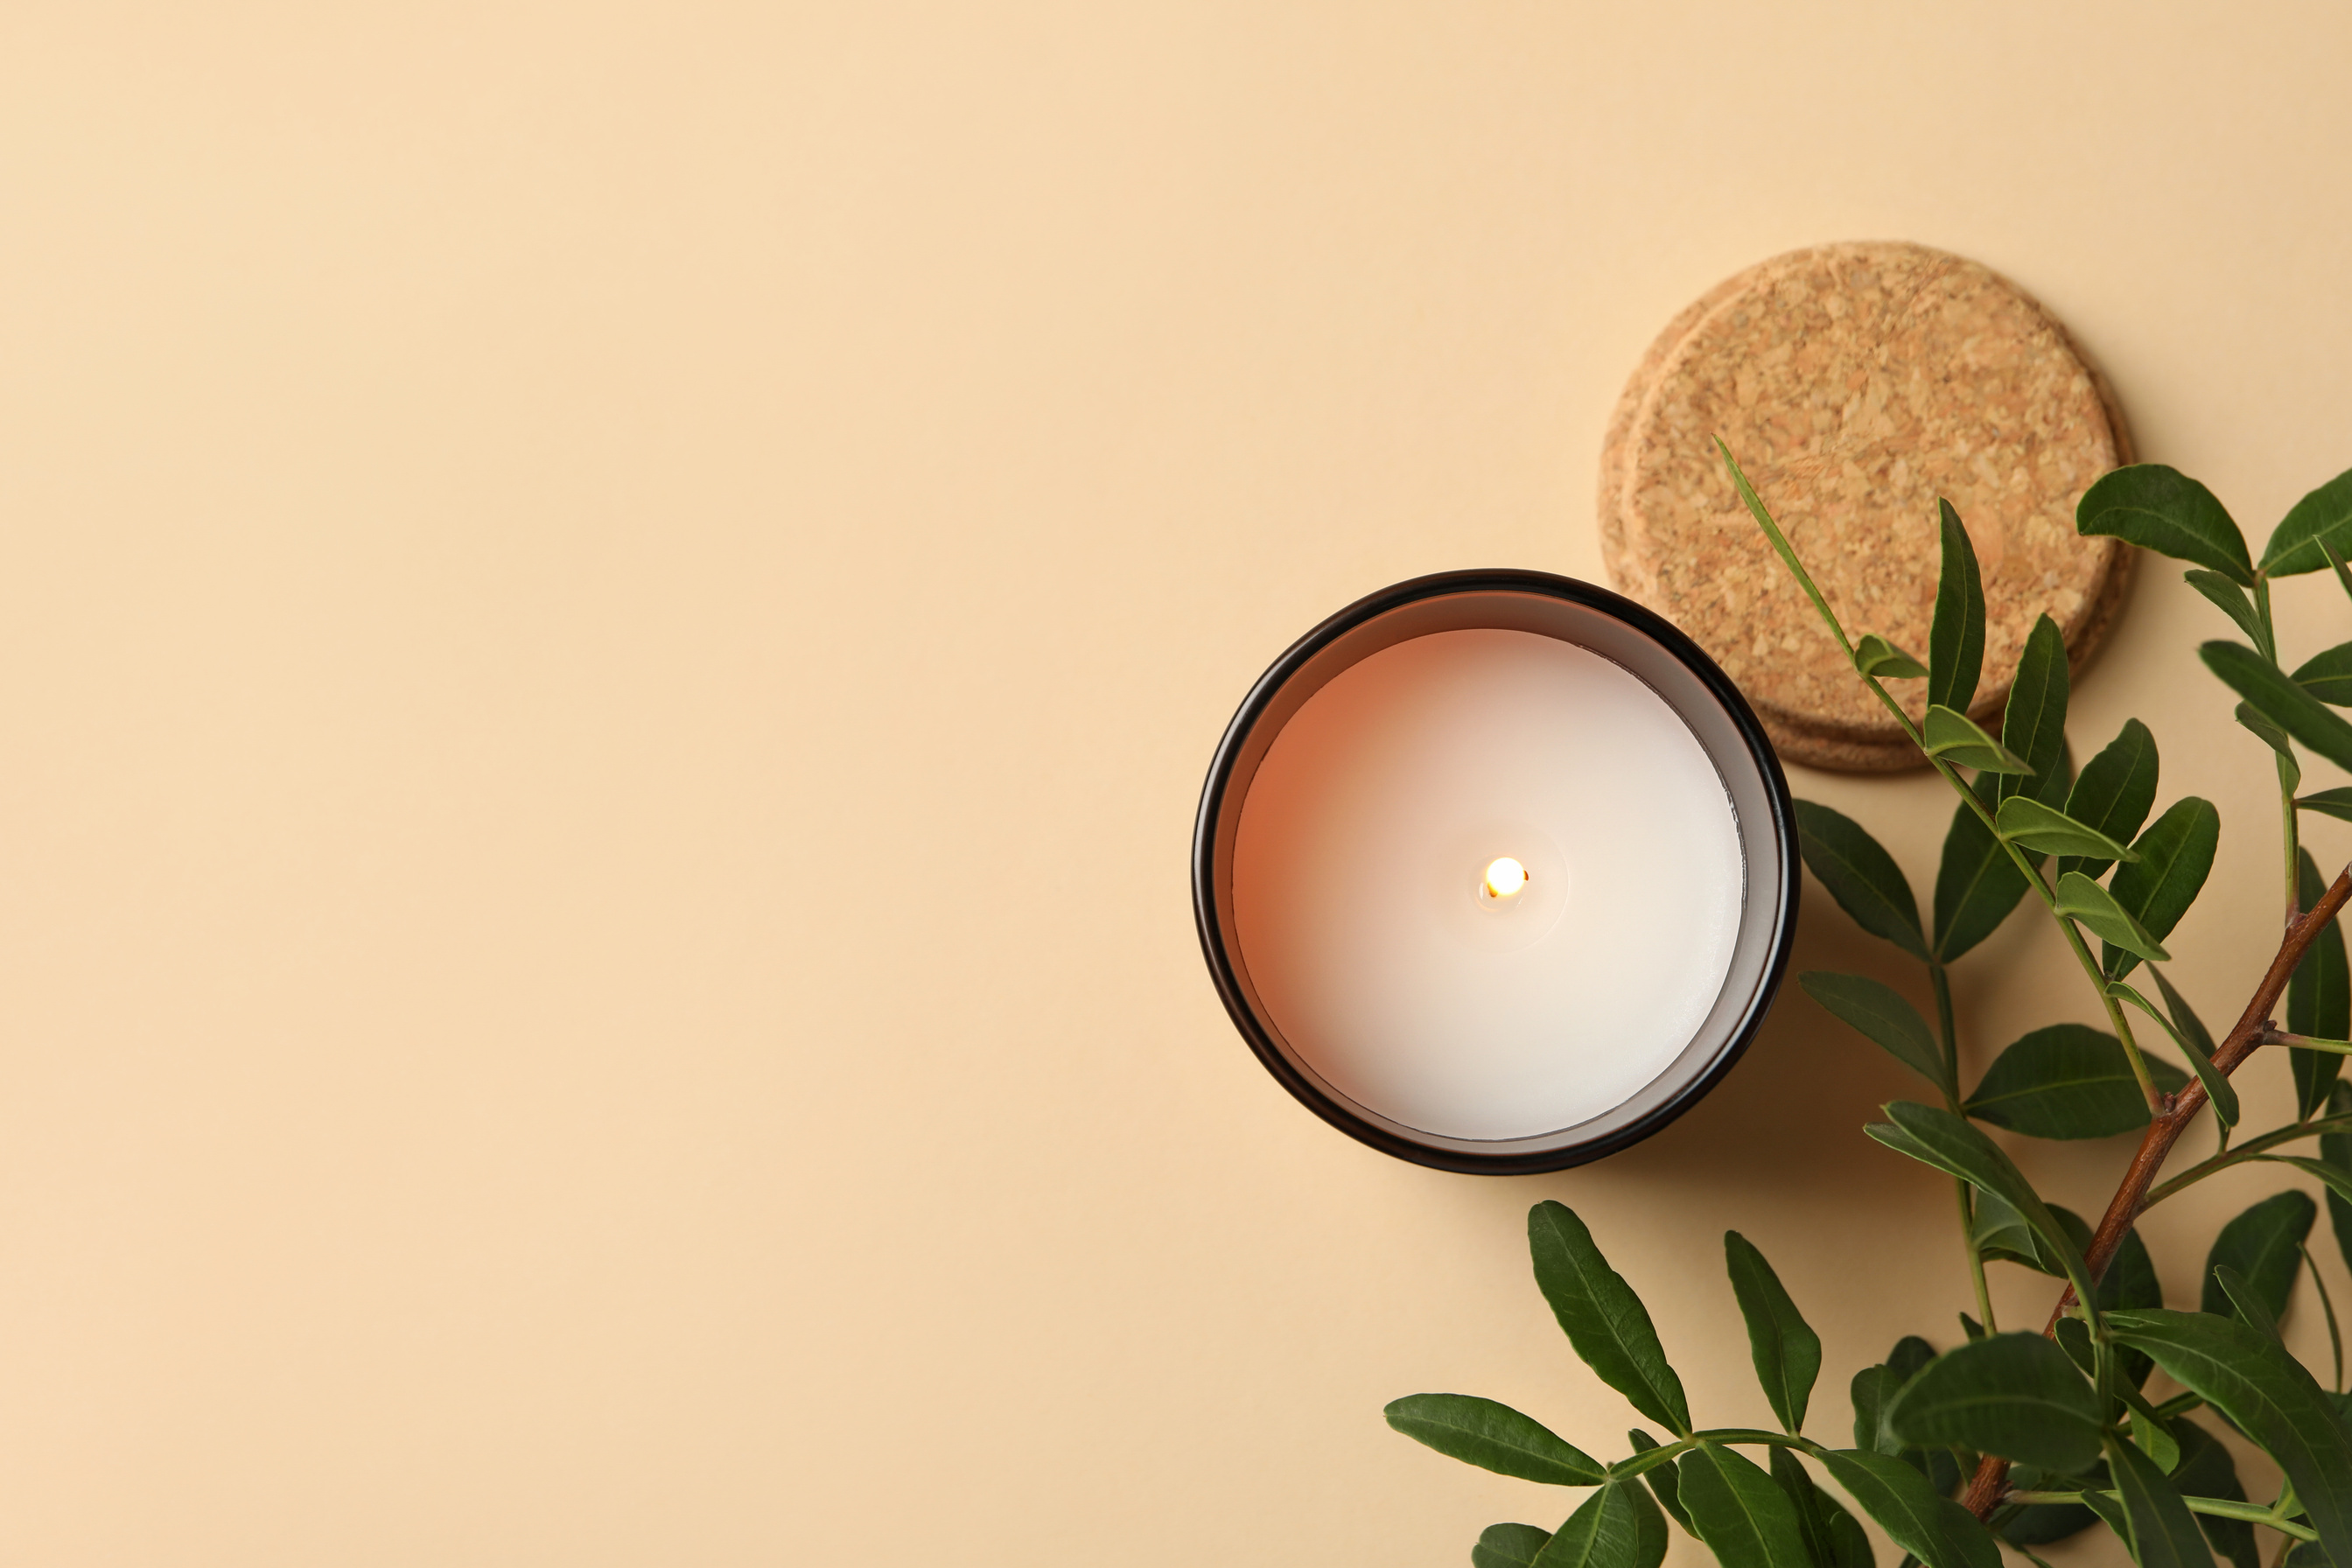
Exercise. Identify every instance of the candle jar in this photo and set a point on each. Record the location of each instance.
(1496, 871)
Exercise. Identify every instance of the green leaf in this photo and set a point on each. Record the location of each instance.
(2335, 802)
(1881, 1016)
(2245, 1302)
(2329, 676)
(1955, 737)
(2252, 1380)
(1955, 639)
(2320, 521)
(1494, 1437)
(1604, 1321)
(1661, 1478)
(1872, 1388)
(2335, 1148)
(2002, 1233)
(2164, 1534)
(2033, 724)
(2184, 1017)
(1819, 1517)
(2233, 601)
(1940, 1139)
(1976, 887)
(1787, 1352)
(2114, 793)
(2081, 898)
(2013, 1394)
(2258, 724)
(2176, 855)
(2217, 1090)
(1936, 1530)
(2273, 691)
(2265, 1245)
(1606, 1532)
(2148, 1433)
(1874, 655)
(2163, 510)
(1860, 874)
(2068, 1081)
(2130, 1281)
(1745, 1519)
(2206, 1470)
(1508, 1546)
(2029, 823)
(2318, 995)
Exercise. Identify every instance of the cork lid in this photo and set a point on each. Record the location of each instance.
(1857, 384)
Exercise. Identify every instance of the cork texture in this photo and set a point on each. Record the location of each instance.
(1857, 384)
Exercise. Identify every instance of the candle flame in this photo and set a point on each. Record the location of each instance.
(1505, 878)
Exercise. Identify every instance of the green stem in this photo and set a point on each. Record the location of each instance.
(2217, 1508)
(2288, 780)
(1975, 1257)
(2306, 1042)
(2250, 1148)
(1950, 1036)
(2031, 872)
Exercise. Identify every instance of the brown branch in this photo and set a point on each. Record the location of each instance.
(1992, 1479)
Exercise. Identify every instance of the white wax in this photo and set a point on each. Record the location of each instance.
(1363, 843)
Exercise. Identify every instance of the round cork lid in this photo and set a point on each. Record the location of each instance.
(1857, 384)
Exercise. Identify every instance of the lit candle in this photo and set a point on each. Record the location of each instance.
(1496, 871)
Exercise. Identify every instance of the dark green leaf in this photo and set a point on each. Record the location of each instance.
(1604, 1321)
(1606, 1532)
(2224, 1098)
(2275, 692)
(2039, 1524)
(1787, 1352)
(2329, 676)
(2033, 725)
(1494, 1437)
(2255, 723)
(2233, 601)
(1955, 639)
(1971, 1330)
(1816, 1512)
(2001, 1232)
(2265, 1245)
(2012, 1395)
(1662, 1479)
(2163, 510)
(1745, 1519)
(1976, 887)
(1955, 738)
(2184, 1017)
(1940, 1139)
(2335, 1148)
(1936, 1530)
(2207, 1470)
(2148, 1432)
(2318, 996)
(2164, 1534)
(2253, 1381)
(1874, 655)
(2029, 825)
(1909, 1357)
(1872, 1387)
(2114, 793)
(1861, 875)
(2246, 1304)
(2068, 1081)
(1882, 1016)
(2320, 521)
(2335, 802)
(2176, 855)
(1508, 1546)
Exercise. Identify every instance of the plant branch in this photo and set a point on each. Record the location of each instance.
(1985, 1488)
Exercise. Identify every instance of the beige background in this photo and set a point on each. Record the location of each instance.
(610, 618)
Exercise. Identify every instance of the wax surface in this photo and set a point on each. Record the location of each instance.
(1363, 841)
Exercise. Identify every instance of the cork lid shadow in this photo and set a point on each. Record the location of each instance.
(1857, 384)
